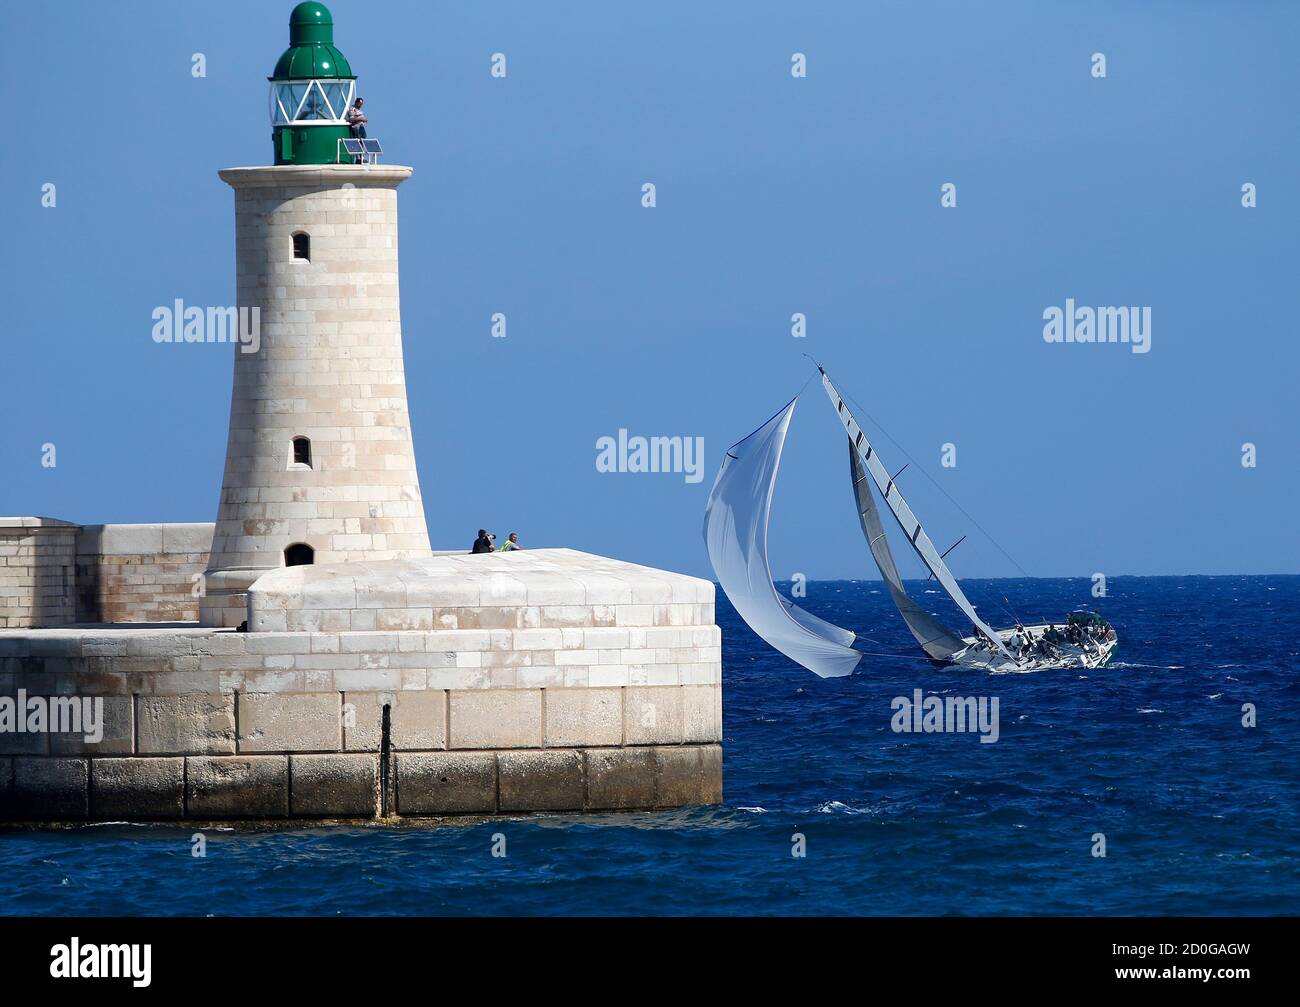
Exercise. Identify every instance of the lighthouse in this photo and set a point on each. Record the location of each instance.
(320, 466)
(374, 679)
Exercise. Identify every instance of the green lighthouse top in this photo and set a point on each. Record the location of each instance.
(310, 22)
(312, 88)
(311, 53)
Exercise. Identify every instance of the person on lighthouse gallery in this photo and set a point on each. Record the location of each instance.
(357, 119)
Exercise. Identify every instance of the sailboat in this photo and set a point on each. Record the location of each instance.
(735, 532)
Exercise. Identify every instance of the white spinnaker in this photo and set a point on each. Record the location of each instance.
(735, 532)
(907, 521)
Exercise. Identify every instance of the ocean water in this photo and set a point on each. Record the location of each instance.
(1200, 814)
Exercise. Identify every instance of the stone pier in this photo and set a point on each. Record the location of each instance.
(548, 680)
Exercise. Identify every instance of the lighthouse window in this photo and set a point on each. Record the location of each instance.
(302, 246)
(299, 554)
(302, 451)
(314, 107)
(310, 101)
(288, 99)
(337, 95)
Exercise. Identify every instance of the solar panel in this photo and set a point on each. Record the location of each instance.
(372, 146)
(353, 147)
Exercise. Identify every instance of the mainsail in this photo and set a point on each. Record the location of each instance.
(907, 521)
(735, 531)
(935, 638)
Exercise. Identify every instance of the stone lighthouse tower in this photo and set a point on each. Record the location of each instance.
(320, 467)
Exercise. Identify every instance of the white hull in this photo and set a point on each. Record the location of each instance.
(1093, 654)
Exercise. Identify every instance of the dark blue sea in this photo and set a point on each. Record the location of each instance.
(1200, 814)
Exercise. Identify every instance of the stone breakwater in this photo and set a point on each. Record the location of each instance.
(582, 684)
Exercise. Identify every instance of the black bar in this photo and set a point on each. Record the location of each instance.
(302, 954)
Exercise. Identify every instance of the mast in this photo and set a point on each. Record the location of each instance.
(907, 521)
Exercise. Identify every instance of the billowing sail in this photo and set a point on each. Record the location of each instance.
(916, 535)
(735, 531)
(935, 638)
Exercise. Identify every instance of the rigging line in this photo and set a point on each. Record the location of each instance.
(894, 657)
(1019, 621)
(959, 507)
(1014, 618)
(809, 381)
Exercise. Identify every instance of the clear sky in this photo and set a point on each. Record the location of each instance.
(775, 195)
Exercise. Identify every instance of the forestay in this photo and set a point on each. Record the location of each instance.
(735, 532)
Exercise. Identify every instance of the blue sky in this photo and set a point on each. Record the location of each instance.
(776, 195)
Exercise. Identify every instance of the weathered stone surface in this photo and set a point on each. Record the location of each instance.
(194, 537)
(577, 718)
(620, 778)
(653, 715)
(118, 731)
(541, 781)
(47, 789)
(290, 722)
(140, 573)
(130, 539)
(137, 789)
(446, 783)
(26, 743)
(196, 724)
(687, 775)
(702, 709)
(328, 786)
(491, 718)
(537, 591)
(37, 579)
(237, 786)
(417, 720)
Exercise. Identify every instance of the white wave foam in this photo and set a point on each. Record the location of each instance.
(840, 808)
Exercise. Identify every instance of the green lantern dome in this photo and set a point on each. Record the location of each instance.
(311, 51)
(311, 88)
(310, 22)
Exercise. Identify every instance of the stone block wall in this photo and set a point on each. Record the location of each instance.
(37, 572)
(140, 572)
(209, 724)
(56, 573)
